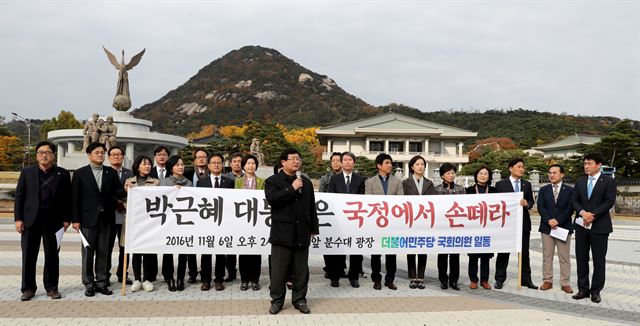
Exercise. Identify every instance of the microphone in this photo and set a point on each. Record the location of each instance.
(299, 176)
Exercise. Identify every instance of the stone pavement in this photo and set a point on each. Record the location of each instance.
(334, 306)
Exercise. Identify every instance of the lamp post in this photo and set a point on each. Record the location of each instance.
(26, 122)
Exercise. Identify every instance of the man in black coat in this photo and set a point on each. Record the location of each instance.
(515, 183)
(42, 207)
(215, 180)
(116, 158)
(194, 174)
(294, 222)
(345, 182)
(593, 196)
(95, 191)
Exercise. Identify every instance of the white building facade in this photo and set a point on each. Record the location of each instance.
(400, 136)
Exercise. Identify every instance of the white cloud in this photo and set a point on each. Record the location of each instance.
(578, 57)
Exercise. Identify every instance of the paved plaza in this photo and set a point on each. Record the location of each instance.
(330, 306)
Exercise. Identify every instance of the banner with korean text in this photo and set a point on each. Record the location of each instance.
(235, 221)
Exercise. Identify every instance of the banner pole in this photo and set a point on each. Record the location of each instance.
(519, 270)
(123, 292)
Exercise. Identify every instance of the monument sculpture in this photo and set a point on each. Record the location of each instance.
(122, 100)
(257, 151)
(134, 135)
(108, 132)
(90, 131)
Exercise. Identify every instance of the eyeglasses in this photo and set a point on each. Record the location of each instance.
(162, 154)
(295, 159)
(115, 154)
(41, 153)
(215, 163)
(98, 153)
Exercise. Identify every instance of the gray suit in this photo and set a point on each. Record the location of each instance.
(373, 186)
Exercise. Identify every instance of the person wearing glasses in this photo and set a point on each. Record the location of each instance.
(215, 180)
(294, 222)
(95, 190)
(116, 158)
(42, 207)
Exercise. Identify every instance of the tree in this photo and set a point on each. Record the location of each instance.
(4, 131)
(11, 152)
(621, 148)
(65, 120)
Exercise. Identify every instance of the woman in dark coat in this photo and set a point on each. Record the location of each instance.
(482, 179)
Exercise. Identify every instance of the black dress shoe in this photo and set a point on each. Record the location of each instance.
(255, 286)
(54, 294)
(354, 283)
(499, 285)
(390, 285)
(275, 308)
(595, 297)
(180, 285)
(192, 279)
(303, 308)
(377, 286)
(443, 285)
(27, 295)
(104, 290)
(244, 286)
(206, 286)
(530, 285)
(335, 283)
(454, 285)
(171, 285)
(580, 295)
(89, 291)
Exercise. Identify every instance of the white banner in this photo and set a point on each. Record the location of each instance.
(235, 221)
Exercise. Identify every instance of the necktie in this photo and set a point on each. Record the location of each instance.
(516, 187)
(201, 173)
(348, 183)
(590, 187)
(161, 174)
(555, 193)
(217, 183)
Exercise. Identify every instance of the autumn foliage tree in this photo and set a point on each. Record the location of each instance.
(11, 152)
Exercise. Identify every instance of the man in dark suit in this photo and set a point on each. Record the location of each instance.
(555, 207)
(42, 207)
(515, 184)
(160, 155)
(345, 182)
(215, 180)
(116, 158)
(198, 171)
(294, 222)
(593, 196)
(95, 192)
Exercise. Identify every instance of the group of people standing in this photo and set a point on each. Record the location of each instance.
(557, 204)
(94, 204)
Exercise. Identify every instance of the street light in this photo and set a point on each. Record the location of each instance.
(26, 122)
